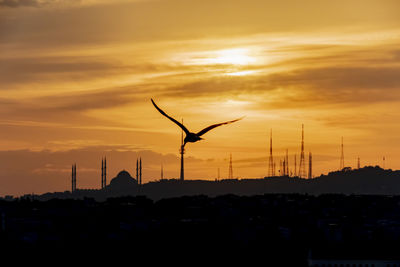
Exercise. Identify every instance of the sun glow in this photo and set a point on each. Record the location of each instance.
(239, 56)
(241, 73)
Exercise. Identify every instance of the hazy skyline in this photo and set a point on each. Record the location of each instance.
(77, 78)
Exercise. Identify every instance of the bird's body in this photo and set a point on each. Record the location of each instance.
(190, 136)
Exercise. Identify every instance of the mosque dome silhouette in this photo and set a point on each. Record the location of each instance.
(123, 181)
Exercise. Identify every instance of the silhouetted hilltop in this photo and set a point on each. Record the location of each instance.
(367, 180)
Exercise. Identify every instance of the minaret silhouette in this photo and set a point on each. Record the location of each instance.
(271, 158)
(137, 170)
(230, 167)
(72, 179)
(73, 182)
(140, 170)
(310, 166)
(302, 167)
(342, 157)
(105, 172)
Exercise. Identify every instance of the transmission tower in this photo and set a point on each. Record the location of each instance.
(103, 173)
(358, 163)
(342, 157)
(182, 152)
(230, 168)
(287, 162)
(302, 167)
(295, 165)
(284, 167)
(271, 158)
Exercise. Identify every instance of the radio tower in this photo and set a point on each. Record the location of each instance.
(358, 162)
(271, 158)
(342, 157)
(310, 166)
(302, 167)
(230, 168)
(182, 152)
(295, 165)
(162, 172)
(287, 162)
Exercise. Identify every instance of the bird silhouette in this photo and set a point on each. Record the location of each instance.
(192, 137)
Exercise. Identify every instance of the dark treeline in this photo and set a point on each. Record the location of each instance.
(274, 229)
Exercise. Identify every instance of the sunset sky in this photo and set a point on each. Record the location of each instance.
(76, 78)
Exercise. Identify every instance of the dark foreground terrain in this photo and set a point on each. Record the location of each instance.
(273, 229)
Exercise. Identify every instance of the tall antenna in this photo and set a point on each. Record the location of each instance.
(230, 167)
(310, 166)
(295, 165)
(162, 172)
(302, 167)
(384, 159)
(342, 157)
(274, 169)
(287, 162)
(103, 173)
(358, 163)
(182, 152)
(271, 158)
(284, 167)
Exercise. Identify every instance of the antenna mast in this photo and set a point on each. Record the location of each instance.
(342, 157)
(271, 158)
(302, 168)
(182, 152)
(230, 167)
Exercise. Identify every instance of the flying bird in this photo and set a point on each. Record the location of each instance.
(192, 137)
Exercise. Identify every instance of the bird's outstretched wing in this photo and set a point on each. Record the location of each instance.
(214, 126)
(172, 119)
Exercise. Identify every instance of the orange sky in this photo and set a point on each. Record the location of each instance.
(77, 77)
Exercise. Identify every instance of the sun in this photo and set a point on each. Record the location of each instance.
(237, 56)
